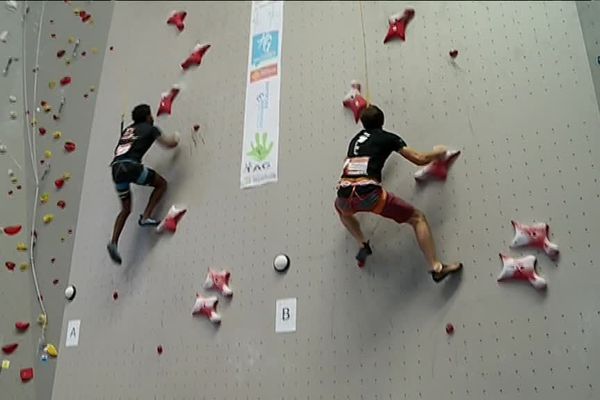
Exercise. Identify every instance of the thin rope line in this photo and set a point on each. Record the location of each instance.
(32, 151)
(364, 35)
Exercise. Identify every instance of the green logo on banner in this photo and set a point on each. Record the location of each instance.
(261, 150)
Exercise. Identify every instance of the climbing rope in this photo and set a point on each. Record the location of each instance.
(364, 37)
(31, 141)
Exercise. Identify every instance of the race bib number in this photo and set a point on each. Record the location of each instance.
(356, 166)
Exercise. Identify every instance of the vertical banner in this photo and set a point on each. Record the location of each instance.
(261, 120)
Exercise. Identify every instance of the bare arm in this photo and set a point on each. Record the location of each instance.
(419, 158)
(168, 142)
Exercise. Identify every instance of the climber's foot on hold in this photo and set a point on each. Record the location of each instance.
(446, 270)
(147, 221)
(363, 253)
(113, 251)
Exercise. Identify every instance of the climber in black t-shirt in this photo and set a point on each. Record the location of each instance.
(360, 190)
(127, 168)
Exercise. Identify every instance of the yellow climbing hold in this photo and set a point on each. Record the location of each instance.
(21, 246)
(52, 84)
(57, 135)
(67, 176)
(5, 364)
(14, 179)
(94, 50)
(47, 107)
(76, 11)
(48, 154)
(44, 198)
(92, 88)
(23, 266)
(42, 319)
(72, 38)
(51, 350)
(48, 218)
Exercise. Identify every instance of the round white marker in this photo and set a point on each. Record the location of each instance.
(70, 292)
(281, 263)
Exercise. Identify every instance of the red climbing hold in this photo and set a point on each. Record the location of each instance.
(398, 24)
(437, 169)
(85, 16)
(52, 260)
(159, 349)
(354, 101)
(449, 329)
(61, 204)
(453, 53)
(9, 348)
(26, 374)
(12, 230)
(59, 183)
(196, 57)
(65, 81)
(60, 53)
(42, 131)
(169, 223)
(70, 147)
(166, 101)
(196, 127)
(10, 265)
(55, 282)
(115, 295)
(176, 18)
(22, 326)
(111, 48)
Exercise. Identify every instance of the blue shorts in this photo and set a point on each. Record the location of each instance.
(125, 172)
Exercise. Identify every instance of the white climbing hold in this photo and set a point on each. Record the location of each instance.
(281, 263)
(11, 173)
(12, 99)
(12, 5)
(13, 115)
(70, 292)
(3, 36)
(3, 148)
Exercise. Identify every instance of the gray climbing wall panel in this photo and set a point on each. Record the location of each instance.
(526, 120)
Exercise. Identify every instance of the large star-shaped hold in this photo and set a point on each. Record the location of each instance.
(166, 101)
(521, 269)
(169, 223)
(398, 24)
(535, 235)
(437, 169)
(218, 280)
(176, 18)
(354, 100)
(207, 306)
(196, 57)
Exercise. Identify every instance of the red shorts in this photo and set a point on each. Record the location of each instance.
(376, 201)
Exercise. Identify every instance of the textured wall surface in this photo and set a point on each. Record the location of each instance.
(526, 121)
(588, 15)
(48, 27)
(16, 287)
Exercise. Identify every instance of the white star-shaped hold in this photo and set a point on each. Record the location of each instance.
(437, 169)
(521, 269)
(535, 235)
(218, 280)
(207, 306)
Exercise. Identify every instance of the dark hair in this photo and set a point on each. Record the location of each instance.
(372, 117)
(140, 113)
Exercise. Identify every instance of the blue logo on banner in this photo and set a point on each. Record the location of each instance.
(265, 47)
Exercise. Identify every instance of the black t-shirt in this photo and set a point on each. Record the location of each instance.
(135, 141)
(368, 151)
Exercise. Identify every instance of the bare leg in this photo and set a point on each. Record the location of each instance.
(121, 219)
(353, 226)
(160, 187)
(425, 239)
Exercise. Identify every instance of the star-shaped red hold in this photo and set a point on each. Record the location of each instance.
(218, 280)
(196, 57)
(398, 24)
(437, 169)
(166, 101)
(207, 306)
(354, 100)
(176, 18)
(169, 223)
(521, 269)
(535, 235)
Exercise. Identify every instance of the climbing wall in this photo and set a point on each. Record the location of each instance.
(51, 69)
(518, 100)
(588, 11)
